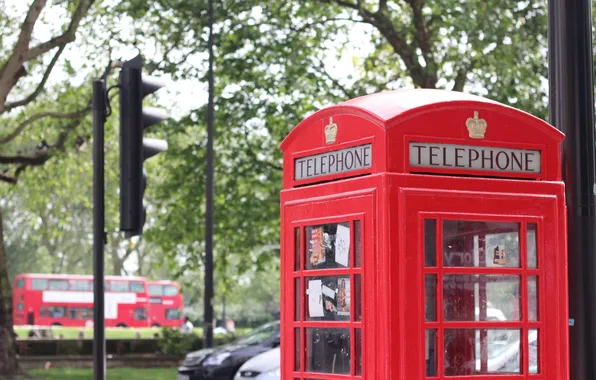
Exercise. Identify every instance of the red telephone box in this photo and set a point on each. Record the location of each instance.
(423, 237)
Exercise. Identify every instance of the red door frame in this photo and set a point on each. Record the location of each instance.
(417, 204)
(346, 207)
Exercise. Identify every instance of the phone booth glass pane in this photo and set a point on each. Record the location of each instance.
(481, 297)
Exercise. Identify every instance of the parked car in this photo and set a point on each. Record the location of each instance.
(265, 366)
(222, 363)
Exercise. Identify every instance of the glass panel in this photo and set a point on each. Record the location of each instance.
(431, 352)
(328, 350)
(533, 351)
(39, 284)
(118, 286)
(531, 239)
(297, 248)
(173, 314)
(481, 351)
(155, 290)
(480, 244)
(358, 298)
(297, 294)
(20, 283)
(430, 242)
(139, 287)
(58, 285)
(80, 285)
(297, 350)
(532, 298)
(358, 347)
(328, 298)
(430, 299)
(328, 246)
(357, 240)
(492, 297)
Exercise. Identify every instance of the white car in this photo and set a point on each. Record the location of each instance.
(265, 366)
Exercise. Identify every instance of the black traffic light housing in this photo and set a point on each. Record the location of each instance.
(134, 148)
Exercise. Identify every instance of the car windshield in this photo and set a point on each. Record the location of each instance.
(260, 335)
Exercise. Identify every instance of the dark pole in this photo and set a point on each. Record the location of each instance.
(208, 324)
(571, 109)
(99, 237)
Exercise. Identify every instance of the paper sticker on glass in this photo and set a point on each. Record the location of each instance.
(329, 298)
(328, 246)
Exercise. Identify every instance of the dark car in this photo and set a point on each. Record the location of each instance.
(222, 363)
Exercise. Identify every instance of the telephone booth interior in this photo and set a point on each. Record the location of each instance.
(423, 237)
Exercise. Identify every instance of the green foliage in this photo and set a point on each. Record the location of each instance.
(174, 342)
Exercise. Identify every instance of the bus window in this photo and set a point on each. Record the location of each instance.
(155, 290)
(118, 286)
(80, 285)
(173, 314)
(58, 285)
(20, 283)
(137, 287)
(170, 290)
(42, 312)
(57, 311)
(140, 314)
(39, 284)
(20, 307)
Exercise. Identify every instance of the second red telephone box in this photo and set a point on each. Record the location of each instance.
(423, 237)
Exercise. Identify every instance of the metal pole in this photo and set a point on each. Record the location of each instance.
(99, 237)
(571, 109)
(208, 312)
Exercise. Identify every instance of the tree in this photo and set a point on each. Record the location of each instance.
(25, 68)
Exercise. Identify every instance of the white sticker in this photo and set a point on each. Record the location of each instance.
(342, 245)
(328, 292)
(315, 298)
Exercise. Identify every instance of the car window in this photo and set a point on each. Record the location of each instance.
(260, 335)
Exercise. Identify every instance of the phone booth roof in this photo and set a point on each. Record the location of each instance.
(452, 121)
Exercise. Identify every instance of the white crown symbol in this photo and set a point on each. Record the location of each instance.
(330, 132)
(476, 126)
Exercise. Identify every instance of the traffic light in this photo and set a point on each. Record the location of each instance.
(134, 148)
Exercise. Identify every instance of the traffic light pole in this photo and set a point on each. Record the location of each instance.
(571, 109)
(99, 236)
(208, 302)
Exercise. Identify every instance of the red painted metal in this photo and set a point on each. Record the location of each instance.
(391, 200)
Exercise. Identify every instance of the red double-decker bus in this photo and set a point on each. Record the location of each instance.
(165, 304)
(67, 300)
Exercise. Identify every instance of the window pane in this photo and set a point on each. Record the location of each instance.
(297, 248)
(481, 351)
(173, 314)
(140, 314)
(431, 352)
(430, 299)
(118, 286)
(58, 285)
(57, 311)
(430, 242)
(73, 313)
(328, 246)
(358, 298)
(481, 297)
(20, 283)
(39, 284)
(328, 350)
(138, 287)
(480, 244)
(532, 298)
(80, 285)
(155, 290)
(531, 244)
(328, 298)
(357, 242)
(533, 351)
(358, 355)
(297, 298)
(297, 350)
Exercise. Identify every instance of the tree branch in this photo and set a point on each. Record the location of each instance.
(9, 73)
(422, 39)
(462, 76)
(68, 36)
(34, 118)
(40, 86)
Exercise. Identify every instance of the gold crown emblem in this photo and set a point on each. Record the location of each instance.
(476, 127)
(330, 132)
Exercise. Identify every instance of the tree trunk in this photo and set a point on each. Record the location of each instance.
(8, 355)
